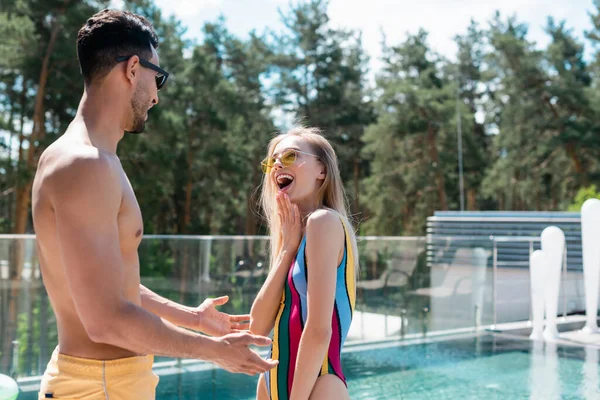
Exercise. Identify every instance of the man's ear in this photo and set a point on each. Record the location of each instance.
(133, 69)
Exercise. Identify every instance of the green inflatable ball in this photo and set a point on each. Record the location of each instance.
(9, 390)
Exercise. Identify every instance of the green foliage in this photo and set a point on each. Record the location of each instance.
(156, 258)
(320, 80)
(582, 196)
(528, 117)
(18, 34)
(412, 145)
(31, 334)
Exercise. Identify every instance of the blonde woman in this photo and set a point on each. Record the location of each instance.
(309, 295)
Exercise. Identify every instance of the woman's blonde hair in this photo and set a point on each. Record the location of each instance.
(331, 193)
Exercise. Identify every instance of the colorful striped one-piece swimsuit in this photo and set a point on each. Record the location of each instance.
(292, 317)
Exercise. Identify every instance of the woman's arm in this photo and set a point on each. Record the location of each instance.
(324, 242)
(264, 309)
(265, 306)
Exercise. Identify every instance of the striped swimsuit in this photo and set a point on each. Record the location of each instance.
(292, 317)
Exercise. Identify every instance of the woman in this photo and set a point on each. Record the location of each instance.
(309, 294)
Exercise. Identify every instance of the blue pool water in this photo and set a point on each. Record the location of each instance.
(490, 366)
(484, 367)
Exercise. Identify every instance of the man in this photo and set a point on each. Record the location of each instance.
(89, 225)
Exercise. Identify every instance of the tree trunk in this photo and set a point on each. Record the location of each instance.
(251, 227)
(187, 214)
(16, 169)
(31, 298)
(307, 113)
(184, 271)
(43, 356)
(570, 149)
(579, 168)
(24, 183)
(356, 178)
(406, 216)
(38, 132)
(161, 220)
(9, 165)
(187, 209)
(16, 257)
(22, 209)
(178, 197)
(3, 319)
(10, 326)
(471, 199)
(11, 129)
(435, 158)
(252, 207)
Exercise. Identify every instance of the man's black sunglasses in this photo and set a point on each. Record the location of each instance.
(161, 77)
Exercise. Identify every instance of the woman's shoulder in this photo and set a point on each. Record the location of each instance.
(325, 222)
(325, 215)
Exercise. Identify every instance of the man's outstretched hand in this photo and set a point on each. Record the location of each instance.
(235, 356)
(216, 323)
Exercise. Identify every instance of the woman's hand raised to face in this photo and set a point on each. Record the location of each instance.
(291, 227)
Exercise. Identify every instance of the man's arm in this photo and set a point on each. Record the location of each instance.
(173, 312)
(86, 197)
(204, 318)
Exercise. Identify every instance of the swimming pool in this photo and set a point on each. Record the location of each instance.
(487, 366)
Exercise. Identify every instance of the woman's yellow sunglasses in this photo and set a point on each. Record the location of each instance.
(287, 158)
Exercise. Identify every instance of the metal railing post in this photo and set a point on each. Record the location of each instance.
(205, 250)
(494, 281)
(15, 358)
(530, 293)
(564, 282)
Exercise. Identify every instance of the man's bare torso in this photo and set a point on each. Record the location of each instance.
(72, 337)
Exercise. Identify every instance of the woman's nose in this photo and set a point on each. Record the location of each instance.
(277, 164)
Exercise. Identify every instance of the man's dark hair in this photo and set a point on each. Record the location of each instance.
(110, 34)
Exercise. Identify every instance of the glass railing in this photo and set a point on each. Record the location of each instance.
(407, 287)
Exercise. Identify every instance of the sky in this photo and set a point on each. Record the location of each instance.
(443, 19)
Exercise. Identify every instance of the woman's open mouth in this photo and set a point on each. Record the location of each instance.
(284, 181)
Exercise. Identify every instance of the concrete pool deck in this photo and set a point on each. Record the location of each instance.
(570, 333)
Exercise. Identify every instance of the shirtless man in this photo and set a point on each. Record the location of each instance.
(89, 225)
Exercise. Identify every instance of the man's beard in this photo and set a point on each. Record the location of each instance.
(139, 113)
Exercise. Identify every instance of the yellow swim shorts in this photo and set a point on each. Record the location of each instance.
(70, 378)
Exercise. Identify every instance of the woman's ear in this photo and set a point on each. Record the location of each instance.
(322, 172)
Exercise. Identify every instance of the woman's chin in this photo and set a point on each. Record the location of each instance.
(288, 194)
